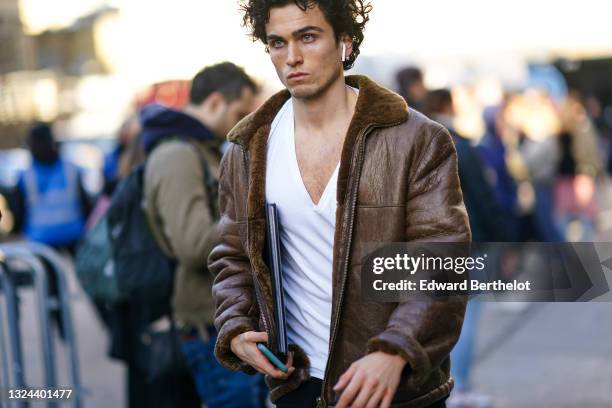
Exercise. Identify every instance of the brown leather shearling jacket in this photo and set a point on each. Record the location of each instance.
(397, 182)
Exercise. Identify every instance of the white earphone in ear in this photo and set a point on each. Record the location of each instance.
(343, 52)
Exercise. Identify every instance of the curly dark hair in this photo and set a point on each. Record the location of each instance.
(345, 16)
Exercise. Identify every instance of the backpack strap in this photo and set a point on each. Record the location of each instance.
(211, 184)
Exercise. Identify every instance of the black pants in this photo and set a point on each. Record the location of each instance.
(306, 396)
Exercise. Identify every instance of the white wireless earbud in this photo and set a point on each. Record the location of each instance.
(343, 52)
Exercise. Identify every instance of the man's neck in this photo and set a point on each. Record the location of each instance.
(194, 112)
(335, 106)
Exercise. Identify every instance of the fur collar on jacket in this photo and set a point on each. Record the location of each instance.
(375, 106)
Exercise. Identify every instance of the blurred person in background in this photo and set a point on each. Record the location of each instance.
(411, 86)
(580, 163)
(599, 116)
(537, 125)
(183, 154)
(50, 205)
(487, 219)
(488, 222)
(117, 163)
(492, 150)
(126, 155)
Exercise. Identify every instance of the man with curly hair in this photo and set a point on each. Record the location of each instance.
(346, 162)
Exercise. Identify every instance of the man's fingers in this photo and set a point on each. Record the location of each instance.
(264, 366)
(281, 375)
(256, 337)
(342, 382)
(348, 395)
(344, 378)
(262, 361)
(289, 362)
(367, 389)
(386, 402)
(250, 354)
(376, 397)
(278, 374)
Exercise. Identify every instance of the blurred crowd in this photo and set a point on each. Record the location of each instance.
(541, 157)
(531, 175)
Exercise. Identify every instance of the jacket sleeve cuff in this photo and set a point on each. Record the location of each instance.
(393, 342)
(223, 349)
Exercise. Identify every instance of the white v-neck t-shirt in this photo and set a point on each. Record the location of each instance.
(307, 240)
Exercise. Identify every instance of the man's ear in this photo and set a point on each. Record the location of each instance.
(214, 101)
(348, 42)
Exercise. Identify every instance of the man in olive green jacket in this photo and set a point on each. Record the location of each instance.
(183, 149)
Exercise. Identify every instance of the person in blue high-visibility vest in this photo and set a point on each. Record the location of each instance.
(51, 206)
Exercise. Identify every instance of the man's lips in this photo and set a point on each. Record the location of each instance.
(297, 75)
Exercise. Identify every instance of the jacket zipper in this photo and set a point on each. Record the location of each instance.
(262, 306)
(321, 402)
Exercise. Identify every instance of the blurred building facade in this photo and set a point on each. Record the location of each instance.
(86, 67)
(41, 73)
(15, 47)
(15, 55)
(72, 50)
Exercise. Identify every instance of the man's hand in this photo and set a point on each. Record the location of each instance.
(370, 381)
(245, 347)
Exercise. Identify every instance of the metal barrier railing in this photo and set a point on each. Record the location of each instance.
(32, 255)
(14, 333)
(6, 372)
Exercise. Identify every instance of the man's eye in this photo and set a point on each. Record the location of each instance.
(308, 37)
(276, 43)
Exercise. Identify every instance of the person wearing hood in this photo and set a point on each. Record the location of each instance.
(181, 146)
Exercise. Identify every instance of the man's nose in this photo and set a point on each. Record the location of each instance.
(294, 56)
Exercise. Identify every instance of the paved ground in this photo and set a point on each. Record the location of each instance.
(549, 354)
(101, 377)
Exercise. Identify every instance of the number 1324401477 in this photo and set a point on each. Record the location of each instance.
(35, 393)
